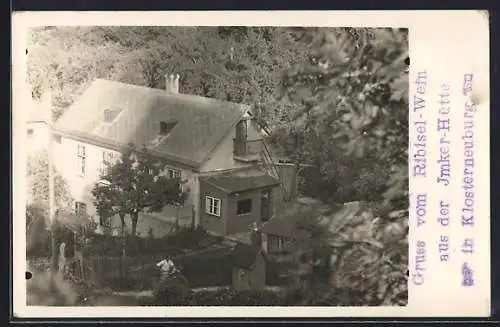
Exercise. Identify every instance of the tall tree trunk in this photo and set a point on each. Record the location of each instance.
(122, 219)
(135, 217)
(124, 225)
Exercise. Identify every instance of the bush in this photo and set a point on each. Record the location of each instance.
(186, 238)
(272, 277)
(207, 269)
(256, 298)
(127, 283)
(39, 238)
(231, 297)
(172, 292)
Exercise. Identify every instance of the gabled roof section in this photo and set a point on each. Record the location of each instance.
(233, 182)
(287, 226)
(201, 122)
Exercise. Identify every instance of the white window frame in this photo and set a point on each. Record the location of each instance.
(212, 205)
(275, 243)
(108, 157)
(81, 157)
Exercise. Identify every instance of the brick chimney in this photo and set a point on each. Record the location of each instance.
(172, 83)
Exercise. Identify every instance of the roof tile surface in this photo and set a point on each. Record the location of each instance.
(201, 122)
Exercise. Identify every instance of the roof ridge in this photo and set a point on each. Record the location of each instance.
(175, 95)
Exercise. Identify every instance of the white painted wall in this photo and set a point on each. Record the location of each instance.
(222, 157)
(66, 162)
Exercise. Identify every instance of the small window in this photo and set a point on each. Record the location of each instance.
(174, 173)
(244, 207)
(110, 114)
(166, 127)
(30, 132)
(81, 157)
(212, 206)
(107, 160)
(275, 243)
(80, 209)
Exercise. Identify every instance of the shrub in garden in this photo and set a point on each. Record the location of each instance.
(186, 238)
(214, 298)
(207, 269)
(128, 283)
(232, 297)
(256, 298)
(172, 292)
(272, 277)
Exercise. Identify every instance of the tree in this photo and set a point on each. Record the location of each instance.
(239, 64)
(351, 102)
(136, 183)
(38, 185)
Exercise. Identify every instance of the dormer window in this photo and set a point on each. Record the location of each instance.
(110, 114)
(167, 126)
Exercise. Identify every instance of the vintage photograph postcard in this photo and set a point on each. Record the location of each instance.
(292, 164)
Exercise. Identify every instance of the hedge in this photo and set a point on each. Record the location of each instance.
(176, 295)
(207, 269)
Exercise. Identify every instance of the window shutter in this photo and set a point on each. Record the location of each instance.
(207, 204)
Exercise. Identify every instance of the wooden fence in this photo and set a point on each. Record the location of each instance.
(99, 269)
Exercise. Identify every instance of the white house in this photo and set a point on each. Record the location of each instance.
(196, 136)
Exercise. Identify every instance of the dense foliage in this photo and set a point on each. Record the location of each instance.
(174, 293)
(38, 184)
(241, 64)
(185, 239)
(352, 108)
(38, 222)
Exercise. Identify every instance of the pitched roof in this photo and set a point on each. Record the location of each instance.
(286, 226)
(244, 255)
(287, 223)
(233, 182)
(201, 123)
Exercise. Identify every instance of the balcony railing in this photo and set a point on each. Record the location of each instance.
(247, 148)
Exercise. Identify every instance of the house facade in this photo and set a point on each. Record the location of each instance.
(37, 125)
(245, 196)
(203, 141)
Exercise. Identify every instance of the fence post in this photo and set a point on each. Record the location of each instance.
(193, 217)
